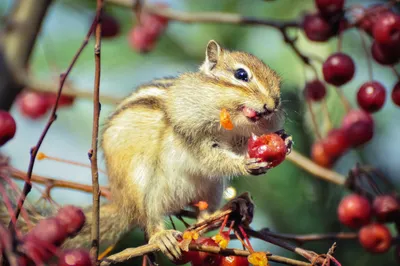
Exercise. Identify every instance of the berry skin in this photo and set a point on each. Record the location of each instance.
(338, 69)
(359, 127)
(7, 127)
(206, 259)
(270, 148)
(384, 55)
(49, 231)
(110, 26)
(354, 211)
(154, 24)
(335, 144)
(317, 28)
(140, 41)
(315, 90)
(320, 156)
(386, 208)
(75, 257)
(386, 29)
(234, 261)
(33, 105)
(71, 218)
(371, 96)
(396, 94)
(375, 238)
(329, 7)
(65, 100)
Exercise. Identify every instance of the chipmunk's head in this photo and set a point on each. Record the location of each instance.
(249, 89)
(236, 81)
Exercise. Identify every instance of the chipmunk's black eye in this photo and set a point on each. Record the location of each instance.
(241, 74)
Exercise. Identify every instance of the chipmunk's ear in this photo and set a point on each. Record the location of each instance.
(213, 52)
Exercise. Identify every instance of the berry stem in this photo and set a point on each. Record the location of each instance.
(52, 158)
(395, 72)
(313, 119)
(367, 55)
(327, 117)
(343, 99)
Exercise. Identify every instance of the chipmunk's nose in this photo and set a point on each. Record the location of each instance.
(268, 109)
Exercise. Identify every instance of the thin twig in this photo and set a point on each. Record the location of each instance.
(367, 55)
(316, 170)
(313, 237)
(314, 120)
(15, 173)
(95, 230)
(63, 77)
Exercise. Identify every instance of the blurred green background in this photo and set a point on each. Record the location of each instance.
(288, 199)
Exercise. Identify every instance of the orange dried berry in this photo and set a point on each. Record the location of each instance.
(191, 235)
(40, 156)
(222, 239)
(225, 119)
(202, 205)
(258, 259)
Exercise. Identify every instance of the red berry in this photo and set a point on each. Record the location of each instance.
(72, 218)
(140, 40)
(65, 100)
(49, 231)
(338, 69)
(396, 94)
(386, 208)
(384, 55)
(33, 105)
(234, 261)
(75, 257)
(154, 24)
(110, 26)
(315, 90)
(335, 144)
(369, 16)
(204, 258)
(36, 252)
(371, 96)
(354, 211)
(7, 127)
(270, 148)
(359, 127)
(330, 6)
(317, 28)
(320, 156)
(375, 238)
(386, 29)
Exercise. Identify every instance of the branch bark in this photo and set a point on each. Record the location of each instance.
(17, 44)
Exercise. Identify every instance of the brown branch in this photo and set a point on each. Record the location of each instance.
(15, 173)
(18, 40)
(131, 253)
(95, 230)
(316, 170)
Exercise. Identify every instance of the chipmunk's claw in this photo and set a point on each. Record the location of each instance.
(168, 243)
(242, 208)
(255, 166)
(288, 140)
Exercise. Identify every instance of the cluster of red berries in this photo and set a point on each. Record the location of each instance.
(41, 243)
(338, 69)
(356, 211)
(206, 259)
(35, 105)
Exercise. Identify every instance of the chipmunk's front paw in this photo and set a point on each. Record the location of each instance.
(168, 243)
(242, 208)
(255, 166)
(288, 140)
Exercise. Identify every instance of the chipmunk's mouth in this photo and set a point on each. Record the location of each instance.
(251, 114)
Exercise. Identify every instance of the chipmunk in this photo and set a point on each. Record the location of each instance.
(164, 147)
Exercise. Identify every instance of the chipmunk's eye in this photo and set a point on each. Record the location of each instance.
(241, 74)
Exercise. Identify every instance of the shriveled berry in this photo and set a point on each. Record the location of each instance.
(320, 156)
(375, 238)
(7, 127)
(384, 55)
(110, 26)
(33, 105)
(75, 257)
(396, 94)
(317, 28)
(359, 126)
(204, 258)
(315, 90)
(386, 208)
(234, 261)
(330, 7)
(338, 69)
(371, 96)
(71, 218)
(386, 29)
(269, 148)
(140, 40)
(335, 143)
(354, 211)
(48, 230)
